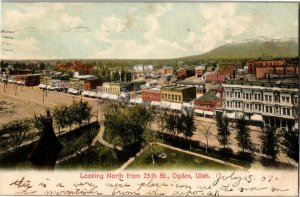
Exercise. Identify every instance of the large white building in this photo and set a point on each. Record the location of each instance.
(268, 103)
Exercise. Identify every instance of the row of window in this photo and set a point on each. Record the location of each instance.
(171, 97)
(259, 108)
(259, 97)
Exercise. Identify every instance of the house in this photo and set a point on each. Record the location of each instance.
(215, 78)
(77, 84)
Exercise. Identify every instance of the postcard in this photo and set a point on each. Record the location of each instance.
(149, 98)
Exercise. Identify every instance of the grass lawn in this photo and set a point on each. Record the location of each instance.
(98, 157)
(174, 160)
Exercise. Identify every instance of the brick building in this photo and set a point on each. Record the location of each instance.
(215, 78)
(151, 95)
(29, 80)
(166, 71)
(91, 84)
(184, 73)
(208, 103)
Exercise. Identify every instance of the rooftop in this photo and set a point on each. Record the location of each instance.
(174, 87)
(190, 83)
(209, 96)
(280, 83)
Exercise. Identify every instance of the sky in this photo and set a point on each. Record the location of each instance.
(136, 30)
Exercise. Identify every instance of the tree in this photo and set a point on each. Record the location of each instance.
(82, 112)
(60, 116)
(206, 134)
(243, 135)
(17, 131)
(171, 123)
(161, 120)
(223, 130)
(270, 142)
(290, 143)
(188, 124)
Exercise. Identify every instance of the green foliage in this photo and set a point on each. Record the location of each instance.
(270, 142)
(290, 143)
(16, 132)
(39, 121)
(243, 135)
(128, 124)
(223, 130)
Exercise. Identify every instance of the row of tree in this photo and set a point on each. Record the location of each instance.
(273, 140)
(14, 133)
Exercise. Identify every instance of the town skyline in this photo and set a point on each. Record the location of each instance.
(149, 30)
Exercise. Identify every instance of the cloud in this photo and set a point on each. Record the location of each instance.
(131, 49)
(43, 17)
(222, 21)
(108, 28)
(24, 49)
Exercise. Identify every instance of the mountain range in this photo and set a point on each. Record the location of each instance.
(253, 48)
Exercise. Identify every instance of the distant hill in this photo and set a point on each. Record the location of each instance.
(252, 48)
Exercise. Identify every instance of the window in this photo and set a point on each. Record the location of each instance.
(258, 96)
(284, 111)
(296, 100)
(267, 109)
(288, 112)
(176, 97)
(179, 97)
(247, 96)
(271, 108)
(227, 94)
(227, 105)
(235, 94)
(270, 98)
(247, 106)
(172, 97)
(255, 96)
(283, 99)
(266, 98)
(287, 99)
(259, 107)
(239, 95)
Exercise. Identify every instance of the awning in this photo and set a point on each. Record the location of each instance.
(92, 94)
(198, 111)
(176, 106)
(256, 117)
(165, 104)
(104, 95)
(155, 103)
(230, 115)
(42, 86)
(210, 113)
(113, 97)
(188, 105)
(85, 93)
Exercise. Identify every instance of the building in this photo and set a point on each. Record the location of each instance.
(229, 70)
(112, 88)
(262, 68)
(29, 80)
(215, 78)
(184, 73)
(264, 64)
(166, 71)
(263, 102)
(207, 104)
(262, 73)
(178, 94)
(77, 84)
(45, 80)
(151, 95)
(91, 84)
(75, 66)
